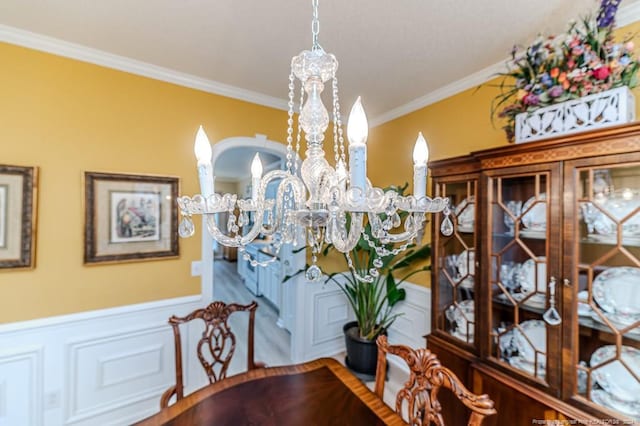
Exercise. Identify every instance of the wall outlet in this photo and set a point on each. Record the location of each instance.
(196, 268)
(52, 400)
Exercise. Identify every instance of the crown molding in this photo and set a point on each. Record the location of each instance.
(82, 53)
(627, 14)
(444, 92)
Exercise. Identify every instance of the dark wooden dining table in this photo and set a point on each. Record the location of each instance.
(320, 392)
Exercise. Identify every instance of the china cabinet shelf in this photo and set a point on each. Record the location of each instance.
(590, 327)
(551, 193)
(607, 241)
(507, 305)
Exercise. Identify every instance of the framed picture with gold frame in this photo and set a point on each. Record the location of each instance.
(130, 217)
(18, 208)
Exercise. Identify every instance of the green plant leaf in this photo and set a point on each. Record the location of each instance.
(420, 254)
(394, 294)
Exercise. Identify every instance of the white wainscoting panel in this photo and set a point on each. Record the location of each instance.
(21, 386)
(128, 366)
(415, 322)
(106, 367)
(324, 310)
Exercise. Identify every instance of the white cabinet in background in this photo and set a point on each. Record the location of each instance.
(242, 267)
(270, 279)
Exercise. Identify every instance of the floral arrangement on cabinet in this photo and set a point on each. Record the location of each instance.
(583, 61)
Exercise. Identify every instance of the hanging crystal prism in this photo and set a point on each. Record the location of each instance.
(186, 228)
(446, 227)
(313, 273)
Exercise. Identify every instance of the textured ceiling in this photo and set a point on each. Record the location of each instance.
(390, 52)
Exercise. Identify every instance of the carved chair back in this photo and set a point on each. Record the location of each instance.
(420, 393)
(217, 345)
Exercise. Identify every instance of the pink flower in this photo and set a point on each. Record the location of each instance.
(587, 87)
(531, 99)
(629, 46)
(602, 73)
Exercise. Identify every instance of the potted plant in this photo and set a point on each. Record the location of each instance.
(372, 286)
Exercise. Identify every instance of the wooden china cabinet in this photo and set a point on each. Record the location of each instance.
(536, 295)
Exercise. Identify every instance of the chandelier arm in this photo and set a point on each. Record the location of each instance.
(337, 230)
(218, 235)
(236, 241)
(264, 183)
(296, 194)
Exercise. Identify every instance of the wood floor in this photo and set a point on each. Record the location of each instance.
(272, 343)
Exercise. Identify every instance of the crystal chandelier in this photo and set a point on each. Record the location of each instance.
(331, 203)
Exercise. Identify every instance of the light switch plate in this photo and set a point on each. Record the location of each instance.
(196, 268)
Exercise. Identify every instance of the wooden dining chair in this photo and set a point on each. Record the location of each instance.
(420, 392)
(216, 346)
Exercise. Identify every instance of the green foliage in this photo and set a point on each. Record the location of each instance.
(373, 302)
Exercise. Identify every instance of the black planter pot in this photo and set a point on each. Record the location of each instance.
(362, 354)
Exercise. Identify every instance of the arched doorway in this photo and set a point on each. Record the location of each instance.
(231, 160)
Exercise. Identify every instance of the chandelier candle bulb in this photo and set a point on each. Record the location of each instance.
(420, 158)
(202, 149)
(256, 176)
(357, 132)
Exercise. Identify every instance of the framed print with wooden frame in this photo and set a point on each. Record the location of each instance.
(18, 208)
(130, 217)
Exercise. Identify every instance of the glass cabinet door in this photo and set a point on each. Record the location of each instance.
(456, 257)
(606, 287)
(518, 242)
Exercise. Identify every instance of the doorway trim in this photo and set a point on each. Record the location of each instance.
(259, 141)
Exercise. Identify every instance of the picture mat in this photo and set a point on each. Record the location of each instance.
(103, 246)
(12, 249)
(3, 215)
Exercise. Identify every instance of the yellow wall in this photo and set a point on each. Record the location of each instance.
(67, 117)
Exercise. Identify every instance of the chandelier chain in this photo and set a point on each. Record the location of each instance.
(338, 121)
(299, 134)
(315, 26)
(336, 124)
(290, 122)
(383, 251)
